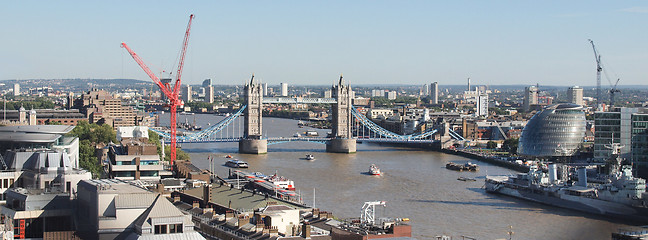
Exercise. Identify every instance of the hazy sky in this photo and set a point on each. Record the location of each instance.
(312, 42)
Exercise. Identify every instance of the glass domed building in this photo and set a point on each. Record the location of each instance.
(557, 130)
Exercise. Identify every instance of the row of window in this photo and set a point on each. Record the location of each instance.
(168, 228)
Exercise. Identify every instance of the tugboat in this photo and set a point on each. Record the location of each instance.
(621, 195)
(374, 170)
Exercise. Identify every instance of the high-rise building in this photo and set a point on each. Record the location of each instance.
(16, 89)
(482, 104)
(265, 89)
(377, 93)
(165, 82)
(530, 97)
(391, 95)
(207, 82)
(284, 89)
(575, 95)
(434, 92)
(425, 90)
(628, 127)
(209, 94)
(186, 93)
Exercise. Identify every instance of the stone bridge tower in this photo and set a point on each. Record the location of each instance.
(342, 140)
(252, 141)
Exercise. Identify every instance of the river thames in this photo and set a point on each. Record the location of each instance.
(415, 185)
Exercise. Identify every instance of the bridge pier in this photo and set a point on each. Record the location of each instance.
(341, 145)
(253, 146)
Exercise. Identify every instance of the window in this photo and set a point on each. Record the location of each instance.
(175, 228)
(160, 229)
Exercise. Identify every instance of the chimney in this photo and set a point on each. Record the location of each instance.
(229, 214)
(316, 213)
(306, 231)
(242, 220)
(206, 210)
(206, 194)
(274, 231)
(195, 204)
(176, 198)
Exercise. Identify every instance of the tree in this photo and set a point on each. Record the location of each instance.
(180, 155)
(491, 145)
(511, 145)
(89, 136)
(155, 139)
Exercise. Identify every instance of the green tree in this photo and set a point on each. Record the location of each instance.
(89, 136)
(491, 145)
(155, 139)
(87, 158)
(180, 155)
(511, 145)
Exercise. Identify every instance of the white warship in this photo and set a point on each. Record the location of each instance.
(620, 194)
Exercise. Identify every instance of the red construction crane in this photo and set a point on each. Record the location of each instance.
(170, 93)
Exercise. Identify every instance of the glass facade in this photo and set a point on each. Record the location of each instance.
(557, 130)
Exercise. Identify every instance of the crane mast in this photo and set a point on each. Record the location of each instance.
(597, 57)
(171, 93)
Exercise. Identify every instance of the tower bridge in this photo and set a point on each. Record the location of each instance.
(349, 126)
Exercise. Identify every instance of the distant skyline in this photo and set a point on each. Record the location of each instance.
(312, 43)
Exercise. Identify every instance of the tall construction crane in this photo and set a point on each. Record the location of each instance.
(172, 93)
(613, 90)
(599, 68)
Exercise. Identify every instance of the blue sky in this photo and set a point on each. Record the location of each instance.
(312, 42)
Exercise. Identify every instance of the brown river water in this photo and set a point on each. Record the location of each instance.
(415, 185)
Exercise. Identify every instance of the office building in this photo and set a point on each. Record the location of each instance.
(284, 89)
(425, 90)
(100, 106)
(557, 130)
(16, 89)
(575, 95)
(434, 93)
(628, 127)
(530, 97)
(186, 93)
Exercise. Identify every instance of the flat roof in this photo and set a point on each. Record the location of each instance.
(28, 137)
(50, 129)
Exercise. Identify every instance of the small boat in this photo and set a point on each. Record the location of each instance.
(228, 156)
(310, 157)
(374, 170)
(297, 135)
(466, 179)
(235, 163)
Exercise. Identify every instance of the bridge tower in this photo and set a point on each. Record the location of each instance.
(252, 141)
(342, 140)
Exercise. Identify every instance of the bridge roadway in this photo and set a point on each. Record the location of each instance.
(276, 140)
(270, 100)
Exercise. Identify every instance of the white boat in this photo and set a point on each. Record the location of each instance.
(310, 157)
(374, 170)
(297, 135)
(235, 163)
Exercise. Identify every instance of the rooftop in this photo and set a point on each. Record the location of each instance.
(48, 129)
(113, 186)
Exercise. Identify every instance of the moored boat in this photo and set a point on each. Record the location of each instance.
(462, 167)
(621, 195)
